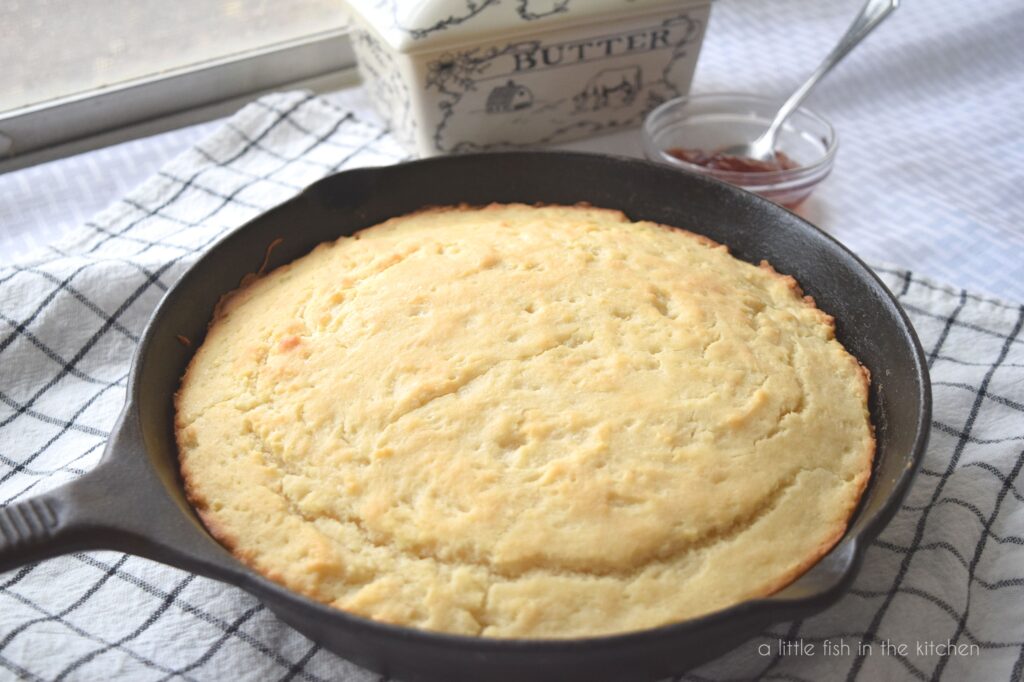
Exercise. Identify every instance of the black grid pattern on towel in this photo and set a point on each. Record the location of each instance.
(947, 568)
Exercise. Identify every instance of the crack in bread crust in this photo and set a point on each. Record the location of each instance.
(727, 532)
(464, 415)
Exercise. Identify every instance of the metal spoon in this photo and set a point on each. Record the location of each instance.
(870, 16)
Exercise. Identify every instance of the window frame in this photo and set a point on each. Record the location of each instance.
(172, 99)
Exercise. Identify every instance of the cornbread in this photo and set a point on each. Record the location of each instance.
(519, 421)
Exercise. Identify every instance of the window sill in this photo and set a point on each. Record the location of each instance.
(171, 100)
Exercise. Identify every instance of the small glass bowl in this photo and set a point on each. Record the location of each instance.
(714, 121)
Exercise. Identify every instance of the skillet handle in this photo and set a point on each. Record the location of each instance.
(121, 504)
(67, 519)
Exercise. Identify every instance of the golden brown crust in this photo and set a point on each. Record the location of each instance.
(524, 422)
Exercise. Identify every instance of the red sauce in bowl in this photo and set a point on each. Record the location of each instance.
(729, 162)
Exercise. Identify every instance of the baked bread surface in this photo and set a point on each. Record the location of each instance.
(519, 421)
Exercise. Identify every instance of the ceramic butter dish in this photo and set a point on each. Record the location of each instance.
(457, 76)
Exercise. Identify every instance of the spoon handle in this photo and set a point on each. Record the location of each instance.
(870, 16)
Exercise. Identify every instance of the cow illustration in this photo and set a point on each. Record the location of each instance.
(610, 88)
(509, 97)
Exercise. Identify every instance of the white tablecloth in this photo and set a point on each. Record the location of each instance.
(930, 173)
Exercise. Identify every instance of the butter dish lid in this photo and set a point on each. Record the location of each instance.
(417, 25)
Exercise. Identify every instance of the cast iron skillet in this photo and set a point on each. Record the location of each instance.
(133, 501)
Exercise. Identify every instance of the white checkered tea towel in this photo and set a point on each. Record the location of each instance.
(940, 594)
